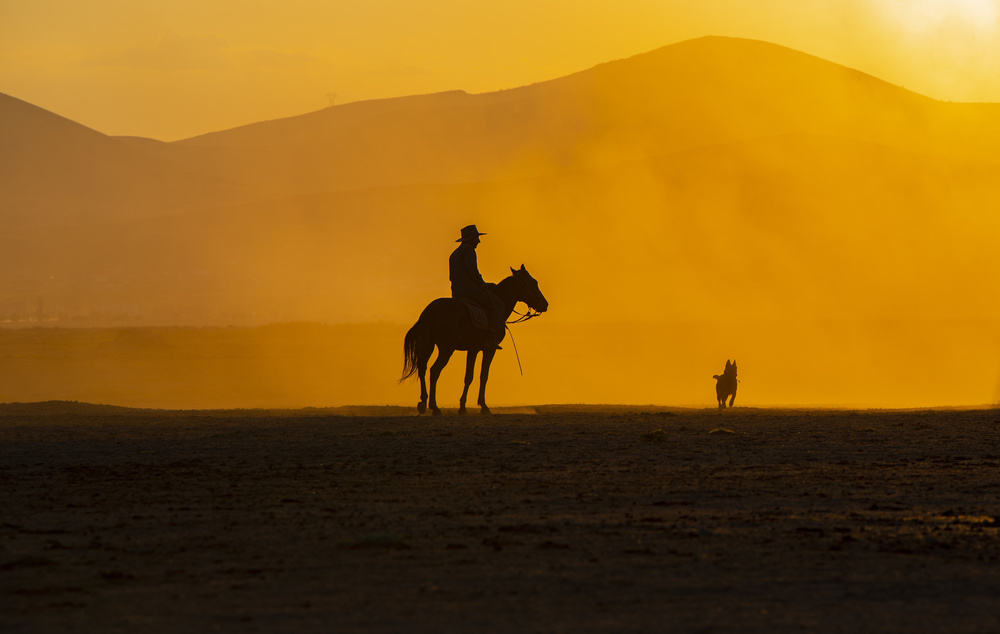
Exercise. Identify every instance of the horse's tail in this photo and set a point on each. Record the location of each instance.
(410, 346)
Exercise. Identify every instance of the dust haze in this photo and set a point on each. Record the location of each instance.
(713, 199)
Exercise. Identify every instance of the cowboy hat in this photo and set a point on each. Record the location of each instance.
(469, 232)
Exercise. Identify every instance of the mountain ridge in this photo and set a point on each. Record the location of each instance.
(702, 161)
(549, 85)
(698, 92)
(694, 93)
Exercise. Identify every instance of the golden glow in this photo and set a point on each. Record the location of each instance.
(922, 16)
(718, 198)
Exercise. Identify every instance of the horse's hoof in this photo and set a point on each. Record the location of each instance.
(461, 411)
(421, 407)
(485, 410)
(435, 411)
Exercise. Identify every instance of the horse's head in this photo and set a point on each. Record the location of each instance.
(531, 295)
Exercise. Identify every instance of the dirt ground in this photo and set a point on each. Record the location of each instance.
(567, 519)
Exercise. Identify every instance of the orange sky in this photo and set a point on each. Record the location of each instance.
(169, 69)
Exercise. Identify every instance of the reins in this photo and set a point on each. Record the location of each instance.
(520, 320)
(522, 317)
(516, 355)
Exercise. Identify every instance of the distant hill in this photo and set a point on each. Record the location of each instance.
(53, 170)
(743, 177)
(702, 92)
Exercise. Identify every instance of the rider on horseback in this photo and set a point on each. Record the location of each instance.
(468, 283)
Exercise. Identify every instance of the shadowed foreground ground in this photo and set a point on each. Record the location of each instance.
(571, 519)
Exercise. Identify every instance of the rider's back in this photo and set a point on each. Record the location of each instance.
(463, 267)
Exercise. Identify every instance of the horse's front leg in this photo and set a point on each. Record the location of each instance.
(470, 369)
(484, 376)
(442, 360)
(732, 400)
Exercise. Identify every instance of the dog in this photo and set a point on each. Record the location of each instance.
(725, 385)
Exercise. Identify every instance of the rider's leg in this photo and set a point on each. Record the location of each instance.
(496, 319)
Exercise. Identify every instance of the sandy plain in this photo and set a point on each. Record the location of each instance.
(547, 519)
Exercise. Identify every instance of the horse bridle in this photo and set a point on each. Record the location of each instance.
(523, 317)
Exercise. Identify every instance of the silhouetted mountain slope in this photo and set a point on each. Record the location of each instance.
(687, 95)
(53, 170)
(31, 132)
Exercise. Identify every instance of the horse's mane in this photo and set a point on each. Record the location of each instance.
(505, 282)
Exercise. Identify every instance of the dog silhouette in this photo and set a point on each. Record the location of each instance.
(725, 384)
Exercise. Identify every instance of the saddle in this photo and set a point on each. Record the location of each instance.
(476, 312)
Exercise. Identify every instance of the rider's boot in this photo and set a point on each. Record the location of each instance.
(497, 338)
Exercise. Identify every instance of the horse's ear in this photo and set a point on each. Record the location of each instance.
(513, 271)
(524, 270)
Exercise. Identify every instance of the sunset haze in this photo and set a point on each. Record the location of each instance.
(687, 184)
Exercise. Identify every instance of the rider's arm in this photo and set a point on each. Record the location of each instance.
(472, 267)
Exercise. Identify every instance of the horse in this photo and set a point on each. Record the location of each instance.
(725, 385)
(446, 323)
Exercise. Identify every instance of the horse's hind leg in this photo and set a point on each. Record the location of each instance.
(732, 400)
(423, 355)
(422, 405)
(439, 363)
(470, 370)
